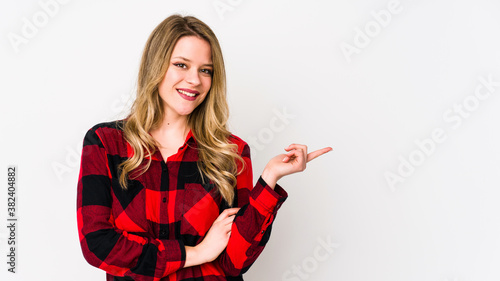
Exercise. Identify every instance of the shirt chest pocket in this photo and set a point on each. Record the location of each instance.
(200, 209)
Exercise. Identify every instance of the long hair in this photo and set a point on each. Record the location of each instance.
(217, 155)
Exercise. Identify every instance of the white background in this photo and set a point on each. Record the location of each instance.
(439, 222)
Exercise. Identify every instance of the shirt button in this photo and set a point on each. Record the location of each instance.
(164, 200)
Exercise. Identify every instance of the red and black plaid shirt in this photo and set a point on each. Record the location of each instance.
(141, 233)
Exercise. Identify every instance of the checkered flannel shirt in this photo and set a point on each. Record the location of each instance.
(141, 234)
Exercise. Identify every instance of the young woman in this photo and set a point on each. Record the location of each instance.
(167, 193)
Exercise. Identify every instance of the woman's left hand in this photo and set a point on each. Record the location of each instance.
(292, 162)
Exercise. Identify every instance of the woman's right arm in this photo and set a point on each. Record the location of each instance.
(114, 250)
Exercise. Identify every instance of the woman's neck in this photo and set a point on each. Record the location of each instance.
(174, 123)
(171, 130)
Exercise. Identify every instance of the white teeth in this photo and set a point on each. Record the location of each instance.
(186, 93)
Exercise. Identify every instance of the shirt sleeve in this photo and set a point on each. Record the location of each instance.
(251, 228)
(104, 246)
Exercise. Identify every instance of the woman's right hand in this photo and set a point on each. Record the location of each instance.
(215, 240)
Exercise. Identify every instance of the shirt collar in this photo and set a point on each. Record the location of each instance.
(189, 136)
(157, 154)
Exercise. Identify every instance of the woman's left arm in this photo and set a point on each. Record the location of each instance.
(251, 228)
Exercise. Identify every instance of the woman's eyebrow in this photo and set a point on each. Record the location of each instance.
(188, 60)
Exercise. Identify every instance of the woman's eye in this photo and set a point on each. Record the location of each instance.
(207, 71)
(180, 65)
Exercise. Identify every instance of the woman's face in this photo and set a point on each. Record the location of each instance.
(188, 78)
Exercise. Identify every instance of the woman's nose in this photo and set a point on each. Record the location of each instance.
(192, 77)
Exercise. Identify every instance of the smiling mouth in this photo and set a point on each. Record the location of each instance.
(187, 93)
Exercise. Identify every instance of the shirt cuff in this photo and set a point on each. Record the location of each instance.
(269, 199)
(176, 250)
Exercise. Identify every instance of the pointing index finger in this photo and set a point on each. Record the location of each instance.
(314, 154)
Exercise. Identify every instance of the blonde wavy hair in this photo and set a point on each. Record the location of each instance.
(217, 155)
